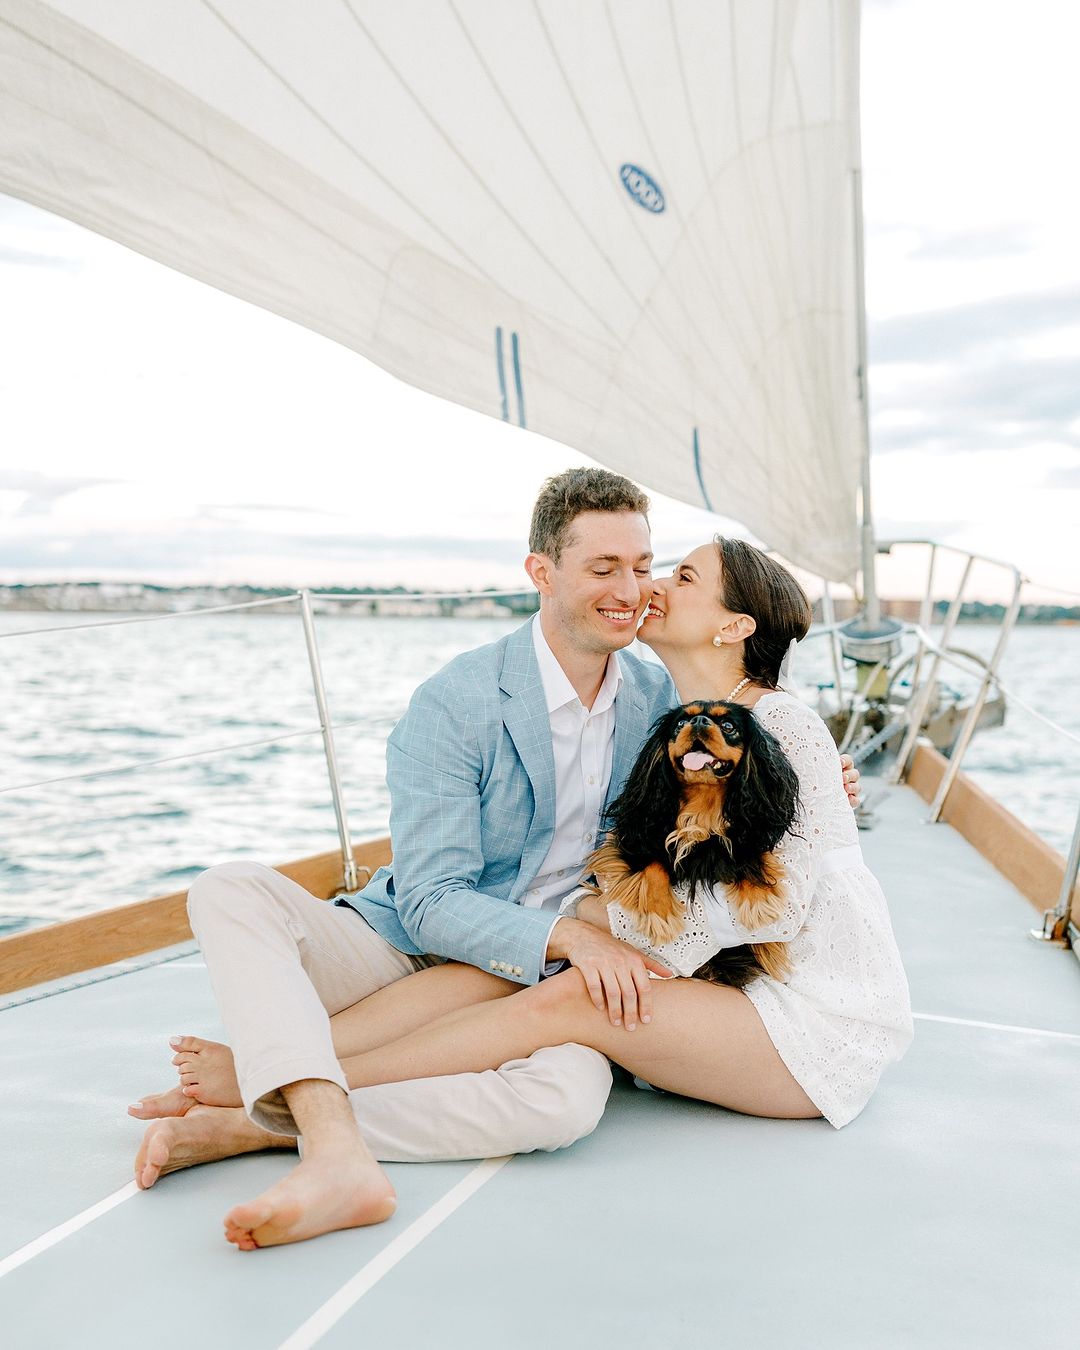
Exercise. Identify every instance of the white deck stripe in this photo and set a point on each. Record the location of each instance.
(63, 1230)
(998, 1026)
(335, 1308)
(350, 1293)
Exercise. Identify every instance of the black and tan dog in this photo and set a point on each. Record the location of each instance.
(710, 797)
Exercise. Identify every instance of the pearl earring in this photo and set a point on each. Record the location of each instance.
(718, 641)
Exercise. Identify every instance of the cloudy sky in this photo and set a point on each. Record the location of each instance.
(128, 390)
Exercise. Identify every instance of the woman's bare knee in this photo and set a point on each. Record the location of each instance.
(550, 1013)
(559, 993)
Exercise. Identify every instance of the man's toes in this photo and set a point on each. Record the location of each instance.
(161, 1104)
(151, 1158)
(240, 1237)
(242, 1220)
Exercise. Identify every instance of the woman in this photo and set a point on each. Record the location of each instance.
(811, 1044)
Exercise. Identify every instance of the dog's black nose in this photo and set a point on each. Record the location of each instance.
(701, 721)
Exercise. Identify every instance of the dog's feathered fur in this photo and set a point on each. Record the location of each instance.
(715, 824)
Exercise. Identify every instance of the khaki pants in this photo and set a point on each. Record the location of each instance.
(281, 962)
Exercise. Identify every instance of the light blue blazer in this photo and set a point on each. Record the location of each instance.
(472, 805)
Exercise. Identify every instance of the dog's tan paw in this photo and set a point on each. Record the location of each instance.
(660, 931)
(756, 906)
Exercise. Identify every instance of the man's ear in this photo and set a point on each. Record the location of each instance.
(539, 568)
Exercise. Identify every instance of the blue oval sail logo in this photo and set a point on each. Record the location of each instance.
(644, 190)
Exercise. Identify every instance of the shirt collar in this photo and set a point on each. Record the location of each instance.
(558, 691)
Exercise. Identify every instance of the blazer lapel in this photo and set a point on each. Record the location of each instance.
(525, 717)
(631, 727)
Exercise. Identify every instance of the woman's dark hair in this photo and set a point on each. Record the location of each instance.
(753, 583)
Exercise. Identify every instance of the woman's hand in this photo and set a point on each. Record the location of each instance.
(616, 974)
(851, 780)
(593, 909)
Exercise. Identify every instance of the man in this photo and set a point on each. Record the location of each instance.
(498, 775)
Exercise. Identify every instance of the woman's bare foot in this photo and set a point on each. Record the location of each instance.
(203, 1134)
(207, 1071)
(162, 1104)
(319, 1196)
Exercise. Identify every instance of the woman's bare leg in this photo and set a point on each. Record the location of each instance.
(206, 1069)
(705, 1041)
(414, 1002)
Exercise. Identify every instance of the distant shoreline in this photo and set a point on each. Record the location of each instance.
(118, 597)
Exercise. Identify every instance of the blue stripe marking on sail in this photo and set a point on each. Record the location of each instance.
(697, 469)
(502, 374)
(515, 350)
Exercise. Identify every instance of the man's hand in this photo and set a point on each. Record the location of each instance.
(851, 780)
(616, 974)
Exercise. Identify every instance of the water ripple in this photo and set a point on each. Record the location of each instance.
(134, 693)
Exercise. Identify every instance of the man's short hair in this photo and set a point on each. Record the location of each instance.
(571, 492)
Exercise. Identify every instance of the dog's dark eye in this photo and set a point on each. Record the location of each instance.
(727, 724)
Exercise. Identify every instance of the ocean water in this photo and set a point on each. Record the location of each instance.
(72, 701)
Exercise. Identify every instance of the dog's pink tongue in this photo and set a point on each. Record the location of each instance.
(696, 759)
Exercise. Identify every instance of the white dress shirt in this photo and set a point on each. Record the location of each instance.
(582, 741)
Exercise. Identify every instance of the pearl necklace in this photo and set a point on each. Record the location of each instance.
(738, 688)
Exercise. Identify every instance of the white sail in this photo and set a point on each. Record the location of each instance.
(625, 225)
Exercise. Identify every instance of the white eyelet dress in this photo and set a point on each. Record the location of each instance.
(843, 1012)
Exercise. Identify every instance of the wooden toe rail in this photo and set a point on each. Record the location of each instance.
(132, 930)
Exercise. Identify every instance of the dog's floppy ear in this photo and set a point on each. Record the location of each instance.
(762, 800)
(643, 814)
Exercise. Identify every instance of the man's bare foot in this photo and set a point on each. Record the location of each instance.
(203, 1134)
(319, 1196)
(162, 1104)
(207, 1071)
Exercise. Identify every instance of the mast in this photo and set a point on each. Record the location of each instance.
(869, 640)
(871, 606)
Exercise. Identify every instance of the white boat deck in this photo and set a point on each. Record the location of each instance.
(943, 1217)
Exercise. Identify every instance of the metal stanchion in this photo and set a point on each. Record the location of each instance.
(351, 875)
(919, 703)
(968, 729)
(1056, 921)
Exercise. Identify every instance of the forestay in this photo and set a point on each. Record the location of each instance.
(627, 226)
